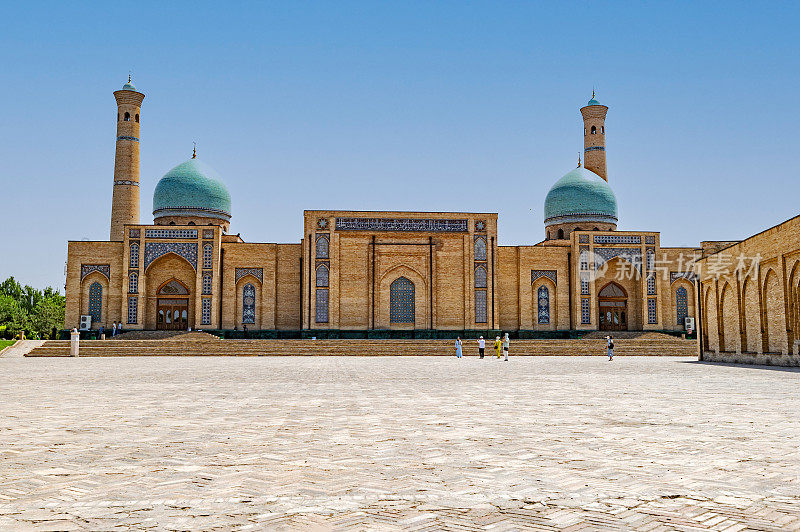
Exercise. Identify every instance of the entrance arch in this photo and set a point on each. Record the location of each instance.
(172, 308)
(612, 302)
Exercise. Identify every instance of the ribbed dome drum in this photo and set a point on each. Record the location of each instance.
(192, 189)
(580, 196)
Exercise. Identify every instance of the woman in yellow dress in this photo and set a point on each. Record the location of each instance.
(498, 346)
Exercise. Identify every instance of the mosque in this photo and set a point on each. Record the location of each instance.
(402, 274)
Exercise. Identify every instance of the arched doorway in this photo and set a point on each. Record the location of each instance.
(172, 309)
(613, 304)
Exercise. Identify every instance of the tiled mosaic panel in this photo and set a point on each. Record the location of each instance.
(133, 309)
(154, 250)
(402, 224)
(480, 248)
(96, 301)
(583, 257)
(323, 247)
(86, 269)
(632, 255)
(480, 225)
(401, 301)
(586, 316)
(134, 261)
(134, 233)
(617, 239)
(170, 233)
(651, 239)
(480, 277)
(550, 274)
(133, 283)
(206, 311)
(258, 273)
(208, 256)
(543, 311)
(207, 281)
(583, 239)
(651, 285)
(249, 304)
(674, 276)
(681, 305)
(652, 314)
(584, 287)
(650, 253)
(208, 233)
(480, 306)
(321, 314)
(323, 276)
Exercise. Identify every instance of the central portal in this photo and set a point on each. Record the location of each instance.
(613, 305)
(172, 309)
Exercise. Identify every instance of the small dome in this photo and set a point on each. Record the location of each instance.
(593, 102)
(192, 189)
(129, 86)
(581, 195)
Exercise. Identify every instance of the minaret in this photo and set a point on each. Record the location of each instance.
(594, 137)
(125, 201)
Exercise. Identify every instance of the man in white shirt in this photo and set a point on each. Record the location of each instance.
(481, 345)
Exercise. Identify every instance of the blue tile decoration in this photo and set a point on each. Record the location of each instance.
(583, 258)
(258, 273)
(586, 317)
(650, 239)
(550, 274)
(681, 305)
(155, 250)
(617, 239)
(480, 277)
(650, 253)
(322, 223)
(323, 247)
(134, 233)
(133, 283)
(133, 309)
(583, 239)
(104, 269)
(170, 233)
(134, 255)
(651, 285)
(595, 148)
(208, 234)
(96, 301)
(249, 303)
(674, 276)
(208, 256)
(584, 287)
(323, 277)
(207, 283)
(632, 255)
(429, 225)
(480, 248)
(321, 314)
(126, 182)
(206, 311)
(480, 225)
(480, 306)
(125, 137)
(543, 310)
(652, 315)
(401, 301)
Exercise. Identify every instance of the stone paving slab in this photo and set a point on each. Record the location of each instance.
(329, 443)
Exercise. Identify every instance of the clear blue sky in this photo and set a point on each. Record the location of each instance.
(452, 106)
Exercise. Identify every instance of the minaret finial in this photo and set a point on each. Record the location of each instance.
(592, 93)
(579, 159)
(194, 150)
(129, 76)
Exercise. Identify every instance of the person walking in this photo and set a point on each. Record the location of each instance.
(610, 347)
(481, 345)
(505, 347)
(114, 330)
(458, 347)
(498, 346)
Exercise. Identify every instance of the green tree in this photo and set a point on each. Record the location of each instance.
(37, 312)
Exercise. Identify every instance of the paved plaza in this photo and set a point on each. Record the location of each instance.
(380, 443)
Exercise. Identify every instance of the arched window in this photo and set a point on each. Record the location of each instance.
(134, 262)
(322, 247)
(480, 277)
(578, 229)
(401, 301)
(137, 118)
(560, 234)
(117, 117)
(681, 305)
(603, 130)
(96, 301)
(480, 249)
(594, 130)
(127, 117)
(595, 229)
(133, 283)
(208, 256)
(207, 280)
(191, 223)
(543, 304)
(172, 223)
(249, 304)
(322, 276)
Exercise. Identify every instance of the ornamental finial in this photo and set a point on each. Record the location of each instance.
(579, 159)
(129, 76)
(592, 93)
(194, 150)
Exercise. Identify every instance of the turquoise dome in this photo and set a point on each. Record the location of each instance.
(593, 102)
(581, 195)
(128, 87)
(192, 189)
